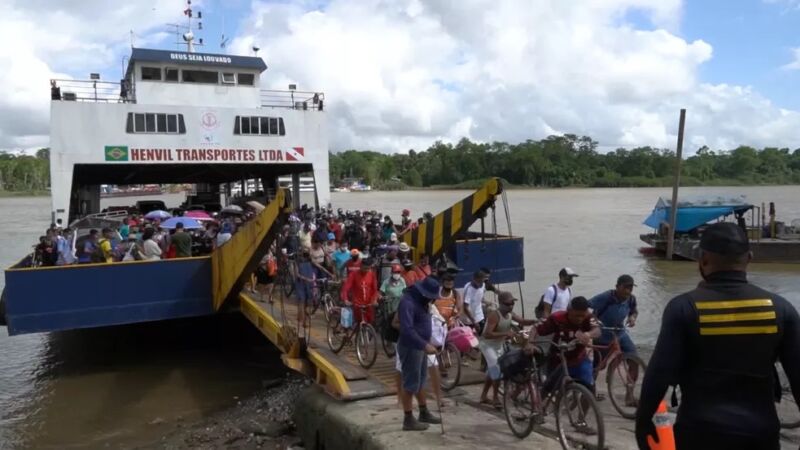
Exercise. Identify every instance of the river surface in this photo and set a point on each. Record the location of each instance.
(122, 386)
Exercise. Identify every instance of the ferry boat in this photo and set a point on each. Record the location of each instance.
(175, 117)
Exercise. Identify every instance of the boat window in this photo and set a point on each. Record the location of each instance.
(264, 124)
(150, 123)
(254, 125)
(161, 123)
(246, 79)
(228, 78)
(151, 73)
(138, 123)
(155, 123)
(200, 76)
(170, 74)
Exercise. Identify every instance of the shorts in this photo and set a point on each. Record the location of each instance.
(303, 292)
(625, 342)
(432, 362)
(263, 278)
(414, 368)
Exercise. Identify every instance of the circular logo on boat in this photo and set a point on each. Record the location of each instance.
(209, 120)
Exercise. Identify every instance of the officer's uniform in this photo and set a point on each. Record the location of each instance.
(719, 343)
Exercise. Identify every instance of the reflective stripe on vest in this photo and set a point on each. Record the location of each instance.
(737, 317)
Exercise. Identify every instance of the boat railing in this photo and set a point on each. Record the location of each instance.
(110, 219)
(91, 91)
(292, 99)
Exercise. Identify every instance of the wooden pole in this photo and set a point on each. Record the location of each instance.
(673, 216)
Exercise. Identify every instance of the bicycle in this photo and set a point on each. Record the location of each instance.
(624, 375)
(285, 278)
(383, 321)
(449, 359)
(527, 398)
(324, 294)
(788, 414)
(366, 340)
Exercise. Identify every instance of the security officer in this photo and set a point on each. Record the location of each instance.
(719, 343)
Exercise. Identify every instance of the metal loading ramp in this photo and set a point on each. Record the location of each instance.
(339, 374)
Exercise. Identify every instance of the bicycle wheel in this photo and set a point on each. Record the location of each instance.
(313, 304)
(519, 405)
(287, 284)
(788, 414)
(327, 305)
(578, 418)
(624, 379)
(450, 367)
(366, 345)
(336, 334)
(389, 347)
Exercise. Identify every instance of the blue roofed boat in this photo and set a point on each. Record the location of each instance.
(770, 241)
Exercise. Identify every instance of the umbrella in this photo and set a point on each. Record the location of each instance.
(199, 215)
(232, 209)
(188, 223)
(157, 214)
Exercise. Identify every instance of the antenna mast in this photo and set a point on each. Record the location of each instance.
(188, 36)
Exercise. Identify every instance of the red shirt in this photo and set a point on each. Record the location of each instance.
(360, 288)
(336, 229)
(353, 265)
(564, 331)
(411, 277)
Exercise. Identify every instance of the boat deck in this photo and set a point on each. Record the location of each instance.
(340, 374)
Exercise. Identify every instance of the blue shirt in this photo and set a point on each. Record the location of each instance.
(340, 258)
(612, 311)
(415, 320)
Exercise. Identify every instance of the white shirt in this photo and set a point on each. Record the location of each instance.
(558, 300)
(151, 250)
(223, 238)
(473, 298)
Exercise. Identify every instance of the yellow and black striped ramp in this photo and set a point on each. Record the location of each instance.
(432, 238)
(236, 260)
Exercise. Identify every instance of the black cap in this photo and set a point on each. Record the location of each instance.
(624, 280)
(725, 238)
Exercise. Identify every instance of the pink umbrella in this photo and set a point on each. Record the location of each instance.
(198, 215)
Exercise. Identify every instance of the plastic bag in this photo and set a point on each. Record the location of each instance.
(347, 317)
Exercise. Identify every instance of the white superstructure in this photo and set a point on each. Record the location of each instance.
(181, 117)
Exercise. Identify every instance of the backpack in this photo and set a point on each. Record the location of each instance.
(97, 255)
(539, 311)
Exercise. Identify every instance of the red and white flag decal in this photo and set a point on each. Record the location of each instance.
(295, 154)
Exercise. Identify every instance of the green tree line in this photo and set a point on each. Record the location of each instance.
(567, 160)
(25, 173)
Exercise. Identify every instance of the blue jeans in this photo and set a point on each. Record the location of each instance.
(413, 368)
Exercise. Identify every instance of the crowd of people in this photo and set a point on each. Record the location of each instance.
(136, 238)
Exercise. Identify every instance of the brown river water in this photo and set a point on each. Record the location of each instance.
(125, 386)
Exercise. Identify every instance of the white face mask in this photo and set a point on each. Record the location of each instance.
(395, 276)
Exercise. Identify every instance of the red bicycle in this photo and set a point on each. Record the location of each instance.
(624, 374)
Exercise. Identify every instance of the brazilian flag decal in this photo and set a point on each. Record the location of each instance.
(116, 152)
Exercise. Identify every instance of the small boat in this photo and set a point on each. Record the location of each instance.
(770, 241)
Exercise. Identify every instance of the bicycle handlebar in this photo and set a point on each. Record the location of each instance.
(615, 329)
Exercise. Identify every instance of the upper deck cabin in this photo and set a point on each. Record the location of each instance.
(181, 117)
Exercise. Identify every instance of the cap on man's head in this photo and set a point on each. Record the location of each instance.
(625, 280)
(567, 272)
(506, 297)
(725, 238)
(429, 288)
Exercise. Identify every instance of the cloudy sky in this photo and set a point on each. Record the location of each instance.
(400, 74)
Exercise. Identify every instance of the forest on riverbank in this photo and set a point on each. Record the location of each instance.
(24, 174)
(556, 161)
(561, 161)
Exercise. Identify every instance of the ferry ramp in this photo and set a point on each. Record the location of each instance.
(340, 374)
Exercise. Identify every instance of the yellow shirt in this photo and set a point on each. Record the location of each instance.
(105, 245)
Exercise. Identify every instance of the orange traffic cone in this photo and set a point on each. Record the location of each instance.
(666, 439)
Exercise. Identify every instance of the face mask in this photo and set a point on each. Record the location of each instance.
(395, 276)
(568, 281)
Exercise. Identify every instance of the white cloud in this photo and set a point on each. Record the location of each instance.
(45, 39)
(795, 63)
(399, 74)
